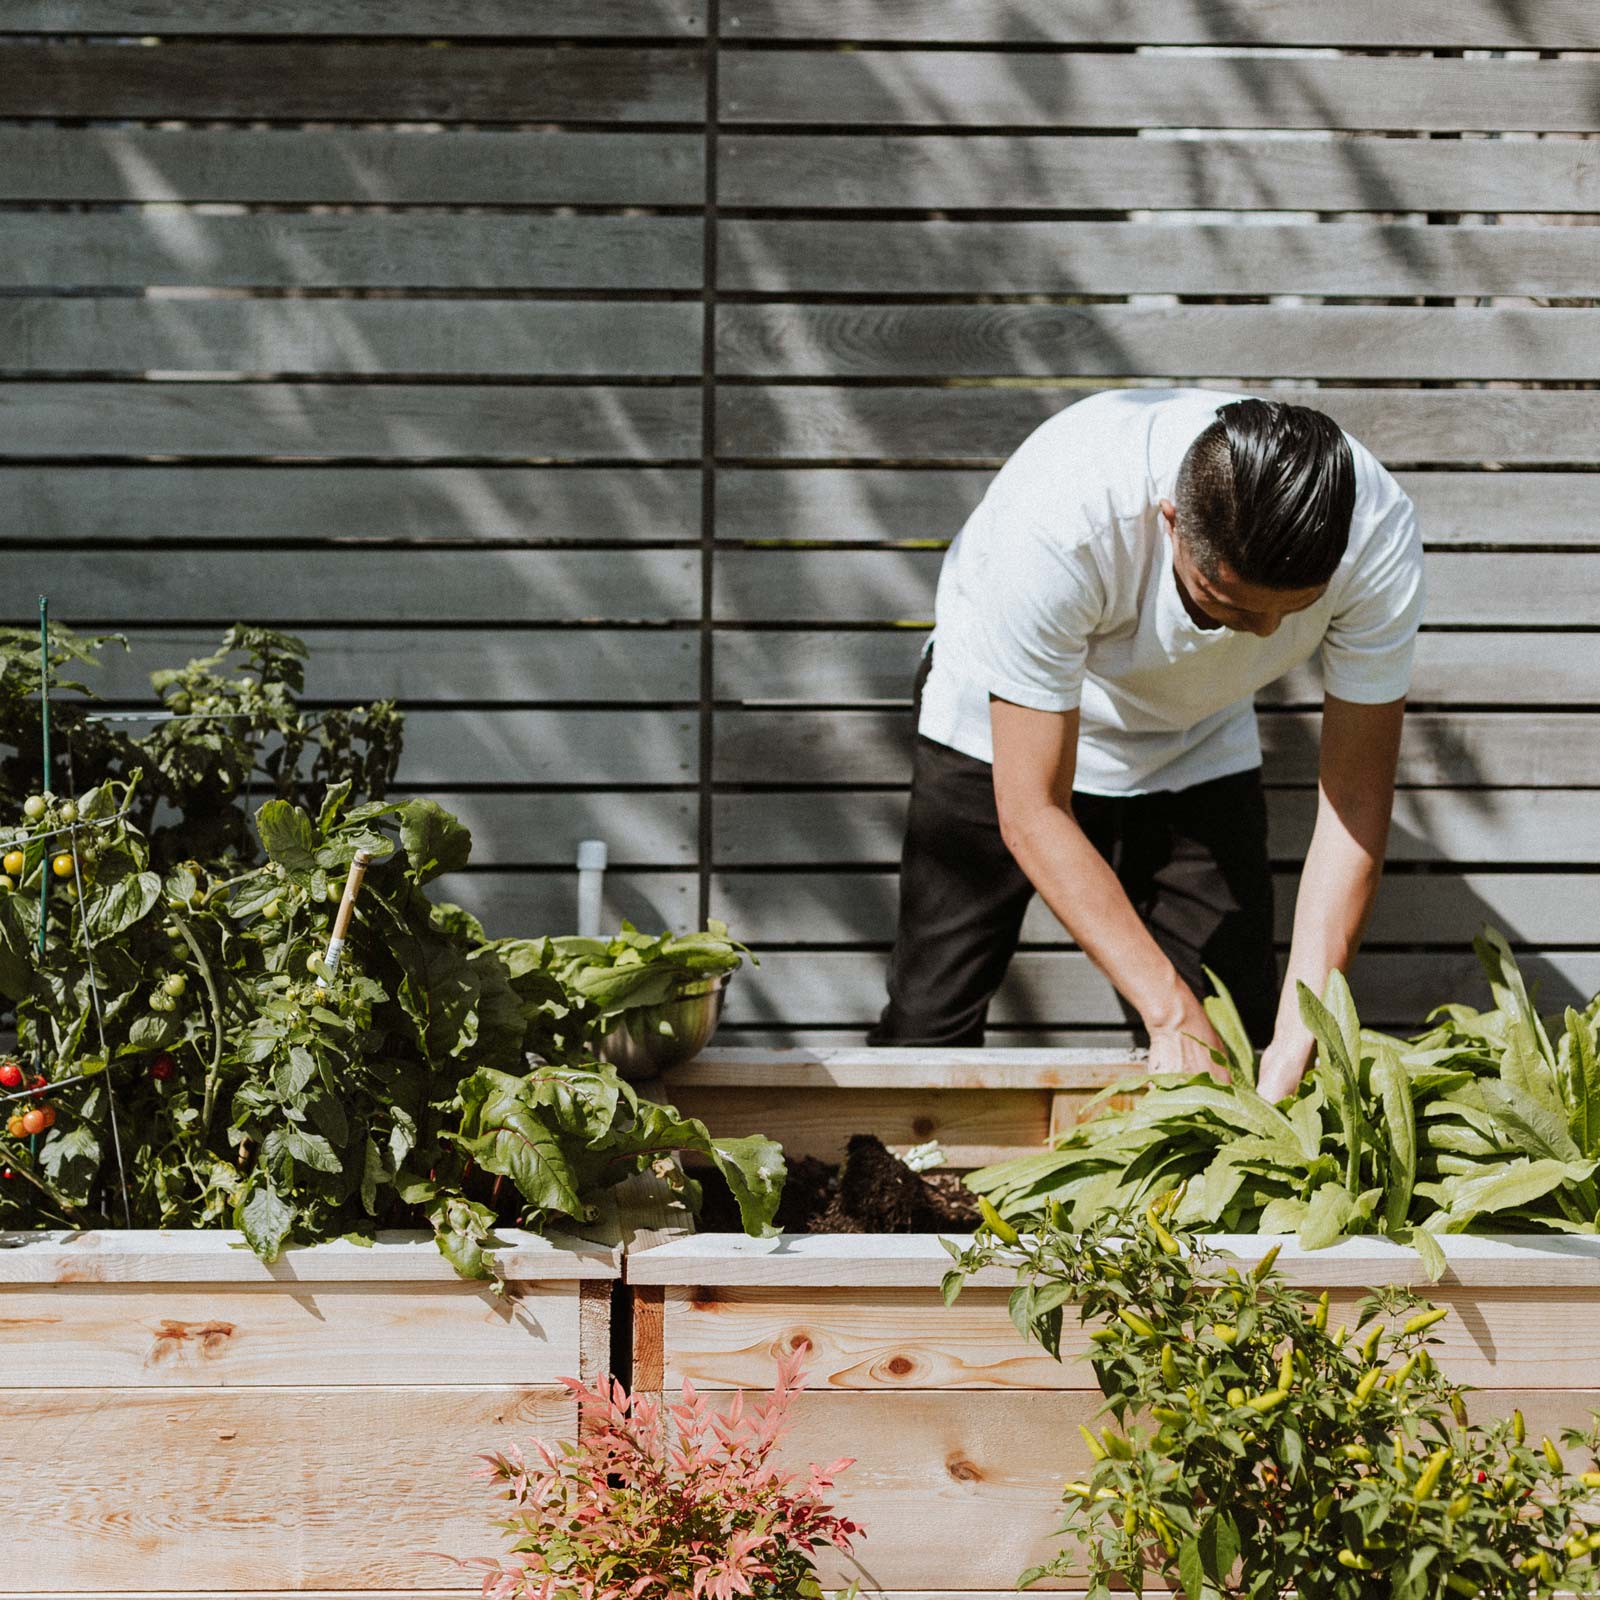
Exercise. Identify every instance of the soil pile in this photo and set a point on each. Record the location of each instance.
(872, 1191)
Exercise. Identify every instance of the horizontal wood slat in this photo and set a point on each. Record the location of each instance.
(358, 166)
(397, 422)
(268, 1337)
(985, 257)
(1388, 342)
(1486, 826)
(1542, 750)
(498, 503)
(1444, 909)
(1065, 989)
(945, 89)
(1091, 173)
(447, 748)
(1477, 589)
(416, 250)
(864, 504)
(262, 1489)
(1494, 24)
(314, 338)
(419, 585)
(530, 905)
(1403, 427)
(797, 668)
(526, 828)
(375, 18)
(354, 82)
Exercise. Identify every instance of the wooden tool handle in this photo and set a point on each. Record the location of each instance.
(347, 905)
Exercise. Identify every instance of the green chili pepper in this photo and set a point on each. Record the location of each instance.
(1321, 1509)
(1132, 1319)
(1458, 1583)
(1225, 1332)
(1167, 1414)
(1460, 1506)
(1264, 1265)
(995, 1223)
(1369, 1345)
(1553, 1456)
(1458, 1409)
(1357, 1563)
(1130, 1522)
(1428, 1478)
(1355, 1452)
(1270, 1401)
(1519, 1427)
(1337, 1336)
(1116, 1446)
(1590, 1480)
(1096, 1449)
(1169, 1367)
(1236, 1397)
(1286, 1369)
(1319, 1315)
(1426, 1319)
(1363, 1389)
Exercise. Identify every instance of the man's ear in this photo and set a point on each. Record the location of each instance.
(1170, 512)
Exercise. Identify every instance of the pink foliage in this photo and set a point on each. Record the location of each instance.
(665, 1502)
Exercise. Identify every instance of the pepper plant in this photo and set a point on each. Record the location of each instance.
(1254, 1453)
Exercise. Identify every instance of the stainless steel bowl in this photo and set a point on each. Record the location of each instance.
(649, 1040)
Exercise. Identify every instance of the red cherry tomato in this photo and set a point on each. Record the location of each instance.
(33, 1121)
(49, 1115)
(14, 1126)
(38, 1083)
(10, 1075)
(162, 1068)
(6, 1175)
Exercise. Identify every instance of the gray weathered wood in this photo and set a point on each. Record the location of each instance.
(531, 904)
(214, 503)
(377, 18)
(397, 422)
(842, 666)
(1537, 750)
(945, 88)
(1389, 342)
(1391, 989)
(859, 908)
(422, 665)
(360, 166)
(1403, 427)
(526, 828)
(355, 82)
(1481, 24)
(1486, 826)
(445, 749)
(408, 250)
(419, 585)
(1089, 173)
(866, 504)
(315, 338)
(988, 257)
(855, 585)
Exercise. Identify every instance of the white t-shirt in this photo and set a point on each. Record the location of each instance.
(1059, 592)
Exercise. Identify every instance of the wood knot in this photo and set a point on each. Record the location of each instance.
(924, 1127)
(962, 1470)
(899, 1366)
(796, 1342)
(210, 1339)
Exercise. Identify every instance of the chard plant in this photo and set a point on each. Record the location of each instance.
(1488, 1116)
(1254, 1453)
(657, 1502)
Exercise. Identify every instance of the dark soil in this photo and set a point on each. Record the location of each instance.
(873, 1191)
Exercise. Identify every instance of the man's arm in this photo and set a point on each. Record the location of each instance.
(1035, 757)
(1355, 794)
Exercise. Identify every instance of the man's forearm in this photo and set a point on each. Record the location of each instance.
(1078, 885)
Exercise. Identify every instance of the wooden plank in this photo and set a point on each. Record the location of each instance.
(416, 585)
(865, 828)
(594, 1332)
(1477, 1262)
(355, 250)
(957, 88)
(864, 665)
(333, 422)
(905, 341)
(790, 1038)
(339, 82)
(833, 1071)
(852, 908)
(220, 1255)
(280, 1489)
(523, 828)
(528, 904)
(273, 1336)
(362, 166)
(1118, 174)
(1393, 990)
(1478, 24)
(1403, 427)
(818, 256)
(313, 338)
(871, 1339)
(377, 18)
(928, 505)
(1537, 750)
(447, 748)
(500, 504)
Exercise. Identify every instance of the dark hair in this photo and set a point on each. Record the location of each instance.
(1269, 488)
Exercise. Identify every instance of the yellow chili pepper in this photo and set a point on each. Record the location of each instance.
(1355, 1452)
(1460, 1506)
(1458, 1583)
(1426, 1319)
(1056, 1215)
(1321, 1509)
(1102, 1335)
(1590, 1480)
(1169, 1367)
(1264, 1265)
(1356, 1563)
(1286, 1369)
(995, 1223)
(1319, 1316)
(1132, 1319)
(1082, 1490)
(1428, 1478)
(1270, 1401)
(1130, 1522)
(1369, 1345)
(1553, 1456)
(1399, 1450)
(1236, 1397)
(1337, 1336)
(1519, 1426)
(1096, 1449)
(1116, 1446)
(1363, 1389)
(1167, 1414)
(1224, 1332)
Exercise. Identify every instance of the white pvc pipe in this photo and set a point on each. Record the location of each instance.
(591, 885)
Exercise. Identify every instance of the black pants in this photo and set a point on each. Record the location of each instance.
(1193, 862)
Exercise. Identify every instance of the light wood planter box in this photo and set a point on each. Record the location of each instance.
(962, 1432)
(180, 1419)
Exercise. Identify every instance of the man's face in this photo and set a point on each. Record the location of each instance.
(1225, 600)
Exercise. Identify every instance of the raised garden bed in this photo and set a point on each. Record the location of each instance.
(962, 1432)
(182, 1418)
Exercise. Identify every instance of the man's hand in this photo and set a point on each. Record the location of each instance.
(1283, 1064)
(1184, 1048)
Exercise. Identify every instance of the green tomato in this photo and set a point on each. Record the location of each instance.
(69, 813)
(33, 807)
(7, 883)
(271, 910)
(335, 892)
(161, 1001)
(314, 964)
(175, 984)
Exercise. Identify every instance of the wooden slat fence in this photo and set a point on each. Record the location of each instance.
(604, 381)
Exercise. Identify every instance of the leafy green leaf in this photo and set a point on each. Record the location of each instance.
(434, 841)
(286, 836)
(264, 1219)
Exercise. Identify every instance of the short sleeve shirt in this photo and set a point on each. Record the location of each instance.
(1059, 592)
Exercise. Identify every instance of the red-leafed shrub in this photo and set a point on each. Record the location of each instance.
(659, 1502)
